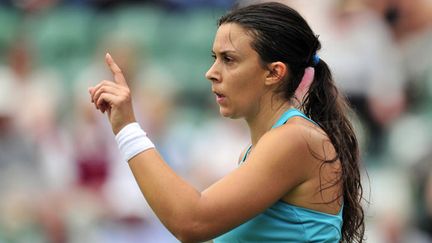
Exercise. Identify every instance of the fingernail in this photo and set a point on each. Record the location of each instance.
(108, 55)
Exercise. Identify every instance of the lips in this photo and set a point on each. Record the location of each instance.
(219, 96)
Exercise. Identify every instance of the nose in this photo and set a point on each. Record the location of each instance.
(212, 74)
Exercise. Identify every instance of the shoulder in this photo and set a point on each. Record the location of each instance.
(296, 134)
(282, 155)
(298, 142)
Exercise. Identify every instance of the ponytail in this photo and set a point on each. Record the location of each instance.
(324, 105)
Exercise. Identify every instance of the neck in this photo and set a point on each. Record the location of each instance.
(265, 118)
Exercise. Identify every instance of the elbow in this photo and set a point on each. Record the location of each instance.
(184, 238)
(192, 232)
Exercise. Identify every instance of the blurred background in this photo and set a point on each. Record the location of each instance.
(61, 176)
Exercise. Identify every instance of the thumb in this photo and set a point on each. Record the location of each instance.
(116, 71)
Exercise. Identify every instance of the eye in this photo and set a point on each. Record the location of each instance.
(227, 59)
(224, 58)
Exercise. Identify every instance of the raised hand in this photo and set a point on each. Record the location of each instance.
(114, 97)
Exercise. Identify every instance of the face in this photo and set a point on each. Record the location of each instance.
(237, 77)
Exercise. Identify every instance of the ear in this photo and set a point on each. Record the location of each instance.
(276, 73)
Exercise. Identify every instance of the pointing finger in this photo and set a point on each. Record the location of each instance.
(116, 71)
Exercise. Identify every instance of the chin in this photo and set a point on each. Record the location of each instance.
(228, 114)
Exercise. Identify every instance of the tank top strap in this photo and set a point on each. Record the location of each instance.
(282, 120)
(245, 154)
(289, 114)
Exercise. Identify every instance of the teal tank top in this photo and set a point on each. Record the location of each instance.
(283, 222)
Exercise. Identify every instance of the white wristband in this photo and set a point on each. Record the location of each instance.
(132, 140)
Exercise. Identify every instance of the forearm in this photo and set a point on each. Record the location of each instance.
(173, 200)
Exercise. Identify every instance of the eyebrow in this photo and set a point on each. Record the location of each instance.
(225, 52)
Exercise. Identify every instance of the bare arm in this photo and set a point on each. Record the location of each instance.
(196, 216)
(242, 194)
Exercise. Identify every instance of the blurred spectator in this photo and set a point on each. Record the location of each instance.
(39, 97)
(410, 139)
(368, 70)
(38, 111)
(411, 26)
(413, 30)
(18, 156)
(20, 170)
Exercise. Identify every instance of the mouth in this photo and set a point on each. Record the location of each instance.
(219, 96)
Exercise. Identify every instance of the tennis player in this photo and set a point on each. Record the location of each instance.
(298, 181)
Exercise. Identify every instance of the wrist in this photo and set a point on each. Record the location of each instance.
(117, 126)
(132, 140)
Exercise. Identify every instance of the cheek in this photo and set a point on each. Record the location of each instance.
(246, 89)
(247, 78)
(244, 84)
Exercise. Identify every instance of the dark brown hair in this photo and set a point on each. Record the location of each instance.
(281, 34)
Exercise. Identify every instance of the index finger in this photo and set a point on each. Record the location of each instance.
(116, 71)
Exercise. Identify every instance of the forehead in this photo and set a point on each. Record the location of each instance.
(232, 37)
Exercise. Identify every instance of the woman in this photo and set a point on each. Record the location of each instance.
(299, 181)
